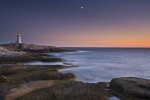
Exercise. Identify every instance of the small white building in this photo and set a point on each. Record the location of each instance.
(18, 41)
(18, 38)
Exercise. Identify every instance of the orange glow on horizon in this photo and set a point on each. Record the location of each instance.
(117, 36)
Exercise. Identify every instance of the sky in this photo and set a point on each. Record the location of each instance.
(76, 23)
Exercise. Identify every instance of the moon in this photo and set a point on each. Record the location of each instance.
(82, 7)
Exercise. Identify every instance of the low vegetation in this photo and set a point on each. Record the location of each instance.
(13, 75)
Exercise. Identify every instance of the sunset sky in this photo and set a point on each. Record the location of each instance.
(77, 23)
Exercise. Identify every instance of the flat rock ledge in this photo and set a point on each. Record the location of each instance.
(131, 88)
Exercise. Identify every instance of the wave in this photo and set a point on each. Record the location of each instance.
(83, 51)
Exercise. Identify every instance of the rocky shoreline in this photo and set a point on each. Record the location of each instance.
(33, 48)
(45, 82)
(10, 53)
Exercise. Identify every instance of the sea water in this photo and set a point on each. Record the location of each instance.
(104, 64)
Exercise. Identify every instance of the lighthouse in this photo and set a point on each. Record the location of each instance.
(18, 41)
(18, 38)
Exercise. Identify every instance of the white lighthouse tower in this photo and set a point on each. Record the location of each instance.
(18, 42)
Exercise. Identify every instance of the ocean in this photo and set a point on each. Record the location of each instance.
(103, 64)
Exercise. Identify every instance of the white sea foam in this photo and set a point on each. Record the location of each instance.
(43, 63)
(113, 98)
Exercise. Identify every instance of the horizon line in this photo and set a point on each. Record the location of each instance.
(102, 47)
(86, 46)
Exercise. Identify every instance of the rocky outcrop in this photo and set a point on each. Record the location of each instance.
(2, 49)
(131, 87)
(28, 57)
(33, 48)
(10, 53)
(5, 52)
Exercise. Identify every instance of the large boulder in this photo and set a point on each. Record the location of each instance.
(2, 49)
(131, 86)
